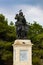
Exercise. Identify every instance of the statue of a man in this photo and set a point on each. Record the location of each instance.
(21, 25)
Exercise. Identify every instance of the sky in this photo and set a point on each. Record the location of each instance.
(32, 9)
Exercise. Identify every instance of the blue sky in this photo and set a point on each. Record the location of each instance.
(29, 2)
(32, 9)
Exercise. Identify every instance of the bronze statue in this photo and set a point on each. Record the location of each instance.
(21, 26)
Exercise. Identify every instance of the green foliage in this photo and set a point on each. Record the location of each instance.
(7, 37)
(7, 32)
(36, 61)
(2, 19)
(11, 33)
(7, 55)
(6, 51)
(34, 30)
(35, 33)
(11, 23)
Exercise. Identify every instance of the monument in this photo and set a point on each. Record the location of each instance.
(21, 26)
(22, 47)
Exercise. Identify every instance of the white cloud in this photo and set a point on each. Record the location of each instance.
(32, 13)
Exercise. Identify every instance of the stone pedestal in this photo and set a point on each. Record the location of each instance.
(22, 52)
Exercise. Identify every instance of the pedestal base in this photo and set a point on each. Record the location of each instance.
(22, 52)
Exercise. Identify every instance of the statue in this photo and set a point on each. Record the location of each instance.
(21, 26)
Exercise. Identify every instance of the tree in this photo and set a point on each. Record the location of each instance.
(34, 30)
(3, 26)
(7, 37)
(2, 19)
(35, 34)
(11, 23)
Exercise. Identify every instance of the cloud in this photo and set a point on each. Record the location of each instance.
(32, 13)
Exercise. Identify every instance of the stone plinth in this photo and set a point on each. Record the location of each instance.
(22, 52)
